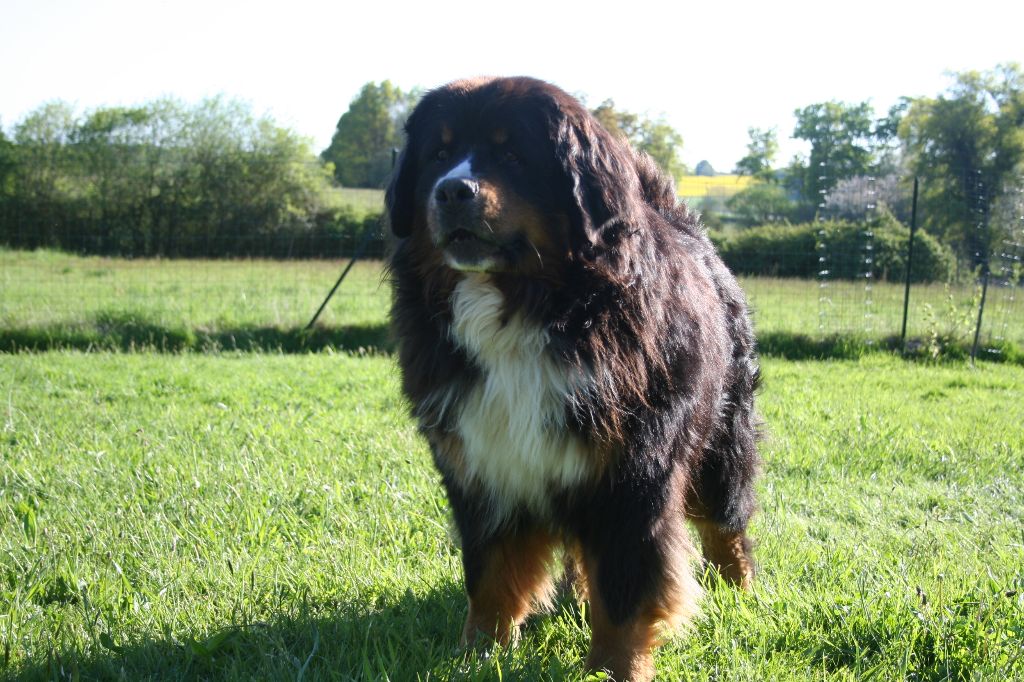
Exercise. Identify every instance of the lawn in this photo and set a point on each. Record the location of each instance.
(50, 299)
(54, 299)
(267, 516)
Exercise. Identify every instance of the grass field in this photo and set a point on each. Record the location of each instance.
(263, 516)
(52, 299)
(49, 299)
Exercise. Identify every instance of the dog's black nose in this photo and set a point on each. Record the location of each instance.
(455, 191)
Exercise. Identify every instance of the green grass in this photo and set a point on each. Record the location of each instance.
(232, 516)
(53, 300)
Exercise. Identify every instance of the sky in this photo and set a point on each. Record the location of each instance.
(710, 69)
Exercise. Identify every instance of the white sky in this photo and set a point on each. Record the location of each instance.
(712, 69)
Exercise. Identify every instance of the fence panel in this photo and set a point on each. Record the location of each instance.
(830, 282)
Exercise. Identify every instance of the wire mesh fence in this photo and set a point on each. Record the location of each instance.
(840, 279)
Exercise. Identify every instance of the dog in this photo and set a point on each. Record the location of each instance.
(579, 359)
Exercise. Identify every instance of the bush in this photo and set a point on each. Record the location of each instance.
(761, 203)
(333, 233)
(793, 251)
(171, 180)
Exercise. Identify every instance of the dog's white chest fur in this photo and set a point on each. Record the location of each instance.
(512, 422)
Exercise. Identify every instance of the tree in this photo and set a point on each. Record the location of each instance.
(888, 148)
(761, 151)
(840, 135)
(705, 169)
(967, 146)
(656, 137)
(761, 203)
(624, 124)
(861, 197)
(163, 179)
(41, 139)
(361, 146)
(8, 162)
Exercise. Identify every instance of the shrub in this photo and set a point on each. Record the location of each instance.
(761, 203)
(797, 250)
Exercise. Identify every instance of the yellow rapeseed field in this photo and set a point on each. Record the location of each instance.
(719, 186)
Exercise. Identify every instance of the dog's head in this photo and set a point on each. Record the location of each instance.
(514, 175)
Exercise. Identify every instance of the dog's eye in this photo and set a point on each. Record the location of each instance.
(510, 157)
(441, 155)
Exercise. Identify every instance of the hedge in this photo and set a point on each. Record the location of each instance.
(797, 251)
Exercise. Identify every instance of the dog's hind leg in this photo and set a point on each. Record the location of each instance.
(727, 551)
(720, 505)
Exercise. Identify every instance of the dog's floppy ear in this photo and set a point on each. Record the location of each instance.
(602, 175)
(398, 198)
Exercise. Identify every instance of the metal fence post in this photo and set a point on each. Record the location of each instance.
(983, 227)
(910, 262)
(981, 308)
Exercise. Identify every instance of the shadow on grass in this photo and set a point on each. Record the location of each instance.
(396, 639)
(793, 346)
(126, 332)
(132, 332)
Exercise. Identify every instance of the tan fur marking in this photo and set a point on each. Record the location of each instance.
(516, 580)
(626, 650)
(499, 136)
(725, 550)
(548, 235)
(492, 202)
(449, 449)
(446, 134)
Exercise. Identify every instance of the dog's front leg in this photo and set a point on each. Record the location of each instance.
(506, 577)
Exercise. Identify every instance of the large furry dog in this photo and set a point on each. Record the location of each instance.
(578, 357)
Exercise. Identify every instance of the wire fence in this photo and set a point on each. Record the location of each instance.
(852, 283)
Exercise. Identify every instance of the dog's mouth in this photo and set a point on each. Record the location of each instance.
(459, 236)
(466, 249)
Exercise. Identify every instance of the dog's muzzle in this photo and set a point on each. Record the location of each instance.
(459, 228)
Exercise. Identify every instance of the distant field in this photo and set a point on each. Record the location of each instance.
(689, 187)
(51, 299)
(276, 517)
(717, 186)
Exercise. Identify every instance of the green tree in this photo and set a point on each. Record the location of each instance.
(361, 146)
(108, 148)
(841, 141)
(761, 203)
(888, 148)
(656, 137)
(8, 162)
(165, 179)
(41, 185)
(761, 151)
(967, 146)
(624, 124)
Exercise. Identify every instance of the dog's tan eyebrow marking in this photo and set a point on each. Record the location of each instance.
(446, 134)
(499, 136)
